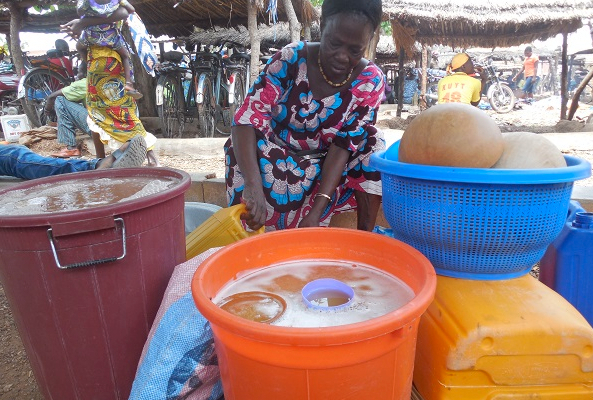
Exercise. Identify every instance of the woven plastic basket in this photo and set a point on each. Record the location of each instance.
(477, 223)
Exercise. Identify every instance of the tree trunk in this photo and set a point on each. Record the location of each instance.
(254, 38)
(307, 33)
(575, 99)
(16, 20)
(143, 82)
(563, 79)
(293, 22)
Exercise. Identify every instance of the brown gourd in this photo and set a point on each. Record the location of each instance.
(526, 150)
(452, 134)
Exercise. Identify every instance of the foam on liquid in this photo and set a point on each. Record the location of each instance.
(80, 194)
(376, 293)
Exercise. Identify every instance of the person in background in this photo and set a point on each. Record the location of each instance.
(530, 72)
(113, 114)
(106, 34)
(68, 106)
(460, 87)
(20, 162)
(301, 141)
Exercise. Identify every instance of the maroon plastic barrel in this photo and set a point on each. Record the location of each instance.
(84, 313)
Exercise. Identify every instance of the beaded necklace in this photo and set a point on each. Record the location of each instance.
(326, 78)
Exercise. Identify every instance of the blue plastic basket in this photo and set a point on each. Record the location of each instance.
(477, 223)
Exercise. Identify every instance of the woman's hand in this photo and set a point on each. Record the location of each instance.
(311, 220)
(73, 28)
(255, 203)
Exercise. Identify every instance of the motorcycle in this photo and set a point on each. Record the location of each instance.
(499, 93)
(9, 104)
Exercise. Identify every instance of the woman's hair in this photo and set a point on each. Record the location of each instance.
(371, 9)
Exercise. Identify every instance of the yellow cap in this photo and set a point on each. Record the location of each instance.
(458, 60)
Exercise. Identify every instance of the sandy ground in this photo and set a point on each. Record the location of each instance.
(16, 378)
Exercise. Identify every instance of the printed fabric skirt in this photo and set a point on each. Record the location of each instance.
(112, 113)
(291, 182)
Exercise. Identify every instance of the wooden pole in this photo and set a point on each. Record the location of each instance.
(254, 38)
(424, 77)
(563, 78)
(575, 99)
(293, 23)
(401, 75)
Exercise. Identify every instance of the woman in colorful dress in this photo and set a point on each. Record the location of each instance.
(301, 142)
(113, 114)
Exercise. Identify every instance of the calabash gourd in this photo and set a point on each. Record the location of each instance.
(526, 150)
(454, 135)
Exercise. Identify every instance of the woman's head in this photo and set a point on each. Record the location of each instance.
(347, 27)
(369, 9)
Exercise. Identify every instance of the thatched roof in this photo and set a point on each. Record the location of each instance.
(161, 17)
(271, 36)
(486, 23)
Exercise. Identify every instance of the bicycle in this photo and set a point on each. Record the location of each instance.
(175, 93)
(42, 78)
(221, 86)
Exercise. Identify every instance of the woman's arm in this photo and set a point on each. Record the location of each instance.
(244, 146)
(75, 27)
(331, 174)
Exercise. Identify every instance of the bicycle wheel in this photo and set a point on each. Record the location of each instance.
(169, 100)
(501, 98)
(207, 110)
(239, 94)
(38, 84)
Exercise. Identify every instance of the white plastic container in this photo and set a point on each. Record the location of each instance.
(13, 126)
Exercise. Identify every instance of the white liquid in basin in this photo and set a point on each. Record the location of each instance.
(376, 293)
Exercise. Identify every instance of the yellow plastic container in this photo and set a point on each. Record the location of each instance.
(222, 228)
(509, 339)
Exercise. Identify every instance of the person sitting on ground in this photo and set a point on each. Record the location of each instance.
(106, 35)
(301, 141)
(20, 162)
(460, 87)
(530, 72)
(68, 106)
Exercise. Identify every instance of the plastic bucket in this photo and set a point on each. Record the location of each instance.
(83, 327)
(373, 359)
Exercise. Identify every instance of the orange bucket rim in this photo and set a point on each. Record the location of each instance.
(390, 322)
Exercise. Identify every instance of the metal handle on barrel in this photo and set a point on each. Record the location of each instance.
(50, 235)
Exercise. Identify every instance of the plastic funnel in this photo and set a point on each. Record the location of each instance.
(327, 294)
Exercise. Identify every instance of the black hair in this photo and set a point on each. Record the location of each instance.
(528, 48)
(62, 45)
(372, 9)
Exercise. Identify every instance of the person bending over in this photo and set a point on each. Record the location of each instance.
(301, 141)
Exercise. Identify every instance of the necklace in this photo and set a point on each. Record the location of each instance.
(326, 78)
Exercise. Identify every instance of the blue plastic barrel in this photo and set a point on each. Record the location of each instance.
(567, 265)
